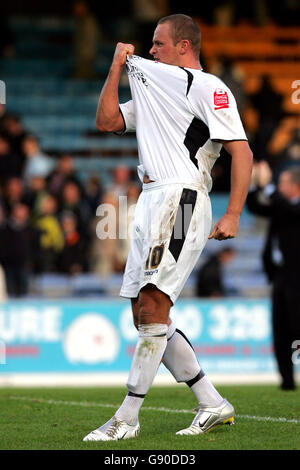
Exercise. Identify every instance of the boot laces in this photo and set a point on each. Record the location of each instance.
(113, 428)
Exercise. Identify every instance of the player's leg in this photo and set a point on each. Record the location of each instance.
(179, 356)
(212, 409)
(153, 312)
(150, 305)
(180, 359)
(116, 429)
(170, 272)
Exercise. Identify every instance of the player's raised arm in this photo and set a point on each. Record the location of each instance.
(108, 116)
(241, 167)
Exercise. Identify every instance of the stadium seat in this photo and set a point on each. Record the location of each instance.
(87, 285)
(51, 285)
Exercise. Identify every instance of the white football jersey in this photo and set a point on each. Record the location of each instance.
(179, 116)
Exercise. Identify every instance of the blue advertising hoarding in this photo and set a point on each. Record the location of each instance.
(229, 336)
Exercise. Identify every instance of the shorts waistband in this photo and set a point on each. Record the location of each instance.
(159, 183)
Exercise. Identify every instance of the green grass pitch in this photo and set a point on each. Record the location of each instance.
(58, 418)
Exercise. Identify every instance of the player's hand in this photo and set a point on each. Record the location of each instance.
(264, 174)
(254, 174)
(227, 227)
(121, 52)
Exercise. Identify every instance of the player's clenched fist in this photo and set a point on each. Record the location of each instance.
(227, 227)
(121, 51)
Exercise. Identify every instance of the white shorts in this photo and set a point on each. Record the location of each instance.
(170, 228)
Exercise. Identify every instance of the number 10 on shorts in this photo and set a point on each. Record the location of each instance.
(154, 256)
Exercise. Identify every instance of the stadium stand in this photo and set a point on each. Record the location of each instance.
(270, 50)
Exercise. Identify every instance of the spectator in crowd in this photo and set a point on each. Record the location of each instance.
(13, 129)
(36, 191)
(292, 151)
(37, 163)
(51, 239)
(14, 192)
(73, 258)
(223, 13)
(290, 154)
(269, 105)
(85, 41)
(19, 241)
(284, 144)
(73, 200)
(210, 277)
(281, 257)
(94, 192)
(104, 254)
(228, 12)
(7, 40)
(9, 162)
(146, 13)
(125, 219)
(64, 171)
(121, 179)
(113, 250)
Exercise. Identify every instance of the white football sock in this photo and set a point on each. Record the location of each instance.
(206, 393)
(179, 356)
(151, 344)
(180, 359)
(129, 410)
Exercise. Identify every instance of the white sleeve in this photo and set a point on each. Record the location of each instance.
(127, 110)
(215, 104)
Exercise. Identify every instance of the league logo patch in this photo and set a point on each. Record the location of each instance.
(221, 99)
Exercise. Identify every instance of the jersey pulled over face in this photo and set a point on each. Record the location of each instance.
(180, 116)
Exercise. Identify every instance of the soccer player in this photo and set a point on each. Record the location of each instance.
(182, 116)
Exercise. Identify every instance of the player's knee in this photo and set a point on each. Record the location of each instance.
(148, 308)
(154, 305)
(151, 313)
(147, 313)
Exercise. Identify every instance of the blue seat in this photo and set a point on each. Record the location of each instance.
(86, 285)
(51, 285)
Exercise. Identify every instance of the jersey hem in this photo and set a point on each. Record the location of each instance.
(227, 140)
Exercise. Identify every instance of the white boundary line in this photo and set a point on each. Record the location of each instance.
(147, 408)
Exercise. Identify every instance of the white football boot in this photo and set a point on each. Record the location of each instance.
(208, 418)
(113, 430)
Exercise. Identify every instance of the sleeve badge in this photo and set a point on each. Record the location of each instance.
(221, 99)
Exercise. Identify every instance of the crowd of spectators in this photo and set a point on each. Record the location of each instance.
(48, 214)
